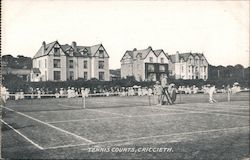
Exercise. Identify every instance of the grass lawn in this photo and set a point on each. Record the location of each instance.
(190, 129)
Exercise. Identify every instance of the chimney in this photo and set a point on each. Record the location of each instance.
(73, 44)
(134, 49)
(177, 57)
(43, 47)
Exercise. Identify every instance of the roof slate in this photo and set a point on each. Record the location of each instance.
(91, 50)
(185, 56)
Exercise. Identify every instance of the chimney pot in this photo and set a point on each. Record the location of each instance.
(43, 47)
(73, 44)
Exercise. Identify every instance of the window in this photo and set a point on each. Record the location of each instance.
(182, 69)
(205, 69)
(57, 63)
(196, 69)
(162, 60)
(45, 75)
(151, 76)
(151, 59)
(101, 65)
(56, 52)
(85, 64)
(190, 60)
(57, 75)
(71, 64)
(101, 54)
(71, 75)
(45, 63)
(101, 75)
(196, 61)
(85, 52)
(85, 75)
(71, 52)
(39, 64)
(162, 68)
(151, 68)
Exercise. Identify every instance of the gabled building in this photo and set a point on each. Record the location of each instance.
(188, 66)
(58, 62)
(145, 65)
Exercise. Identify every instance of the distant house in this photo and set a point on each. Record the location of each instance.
(145, 65)
(188, 66)
(58, 62)
(35, 75)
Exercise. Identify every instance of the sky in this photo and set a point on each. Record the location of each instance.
(219, 30)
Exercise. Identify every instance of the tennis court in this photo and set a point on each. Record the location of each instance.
(63, 129)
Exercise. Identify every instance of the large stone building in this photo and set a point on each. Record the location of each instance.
(146, 64)
(188, 66)
(58, 62)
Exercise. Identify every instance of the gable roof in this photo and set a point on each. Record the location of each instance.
(185, 56)
(48, 48)
(90, 50)
(135, 53)
(143, 52)
(158, 52)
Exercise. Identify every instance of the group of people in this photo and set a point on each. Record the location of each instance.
(165, 92)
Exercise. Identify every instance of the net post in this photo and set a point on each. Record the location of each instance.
(180, 96)
(83, 99)
(149, 100)
(228, 95)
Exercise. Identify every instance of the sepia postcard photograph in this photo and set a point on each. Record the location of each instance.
(123, 79)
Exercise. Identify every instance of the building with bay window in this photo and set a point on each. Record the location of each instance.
(188, 66)
(57, 62)
(145, 65)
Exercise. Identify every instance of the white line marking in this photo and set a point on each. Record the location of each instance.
(66, 146)
(39, 147)
(147, 115)
(202, 109)
(236, 115)
(164, 108)
(50, 125)
(149, 137)
(91, 119)
(96, 110)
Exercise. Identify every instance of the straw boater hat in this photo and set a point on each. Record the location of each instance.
(157, 82)
(171, 85)
(236, 84)
(208, 85)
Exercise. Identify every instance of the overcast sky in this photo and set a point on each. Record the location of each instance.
(218, 29)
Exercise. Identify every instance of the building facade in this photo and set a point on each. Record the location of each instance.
(188, 66)
(58, 62)
(144, 65)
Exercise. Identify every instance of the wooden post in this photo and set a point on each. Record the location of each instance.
(228, 95)
(180, 96)
(149, 100)
(83, 101)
